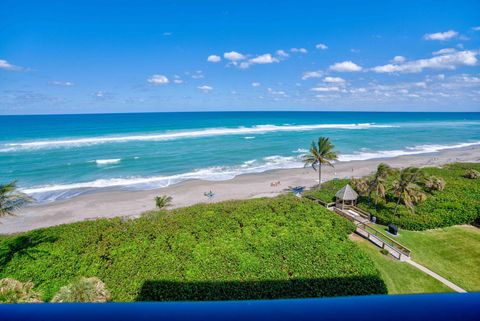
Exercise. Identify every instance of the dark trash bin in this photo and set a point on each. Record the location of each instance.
(392, 229)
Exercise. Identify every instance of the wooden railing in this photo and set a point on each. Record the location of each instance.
(385, 238)
(370, 230)
(366, 228)
(321, 202)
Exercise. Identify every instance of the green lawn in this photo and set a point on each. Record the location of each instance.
(452, 252)
(400, 277)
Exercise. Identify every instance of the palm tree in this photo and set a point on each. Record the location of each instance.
(378, 182)
(11, 199)
(320, 154)
(163, 201)
(406, 188)
(360, 185)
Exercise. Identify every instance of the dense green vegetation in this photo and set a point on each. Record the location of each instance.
(458, 203)
(400, 277)
(328, 190)
(261, 248)
(452, 252)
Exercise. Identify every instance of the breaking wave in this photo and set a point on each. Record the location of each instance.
(260, 129)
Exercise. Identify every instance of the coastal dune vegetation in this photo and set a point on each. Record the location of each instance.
(444, 197)
(283, 247)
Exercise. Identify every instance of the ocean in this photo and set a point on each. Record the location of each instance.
(56, 157)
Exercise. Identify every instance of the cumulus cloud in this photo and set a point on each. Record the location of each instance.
(205, 88)
(259, 60)
(8, 66)
(158, 80)
(312, 74)
(300, 50)
(334, 80)
(233, 56)
(321, 46)
(214, 58)
(255, 84)
(399, 59)
(281, 53)
(325, 89)
(442, 36)
(346, 66)
(444, 51)
(263, 59)
(445, 61)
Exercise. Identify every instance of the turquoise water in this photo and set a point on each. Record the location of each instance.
(60, 156)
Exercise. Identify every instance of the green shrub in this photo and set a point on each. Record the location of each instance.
(384, 251)
(14, 291)
(328, 190)
(270, 248)
(472, 174)
(83, 290)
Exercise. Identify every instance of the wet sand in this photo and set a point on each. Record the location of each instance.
(133, 203)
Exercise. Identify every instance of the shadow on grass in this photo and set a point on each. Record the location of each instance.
(256, 290)
(24, 245)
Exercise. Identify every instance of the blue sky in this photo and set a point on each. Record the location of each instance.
(135, 56)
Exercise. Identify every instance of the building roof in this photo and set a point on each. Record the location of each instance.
(346, 194)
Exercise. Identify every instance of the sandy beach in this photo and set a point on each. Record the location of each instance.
(133, 203)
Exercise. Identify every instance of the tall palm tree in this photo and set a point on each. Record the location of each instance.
(378, 182)
(320, 154)
(11, 199)
(406, 188)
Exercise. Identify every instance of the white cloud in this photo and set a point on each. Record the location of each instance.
(325, 89)
(8, 66)
(214, 58)
(158, 80)
(281, 53)
(233, 56)
(476, 28)
(166, 34)
(445, 61)
(259, 60)
(399, 59)
(62, 83)
(198, 75)
(300, 50)
(346, 66)
(178, 81)
(277, 92)
(312, 74)
(441, 35)
(334, 80)
(263, 59)
(321, 46)
(205, 88)
(444, 51)
(256, 84)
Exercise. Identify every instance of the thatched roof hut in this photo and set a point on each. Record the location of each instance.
(346, 196)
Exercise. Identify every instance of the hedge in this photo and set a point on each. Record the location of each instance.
(282, 247)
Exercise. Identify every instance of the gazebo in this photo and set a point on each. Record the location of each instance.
(345, 196)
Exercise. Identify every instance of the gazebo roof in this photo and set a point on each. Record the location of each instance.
(346, 194)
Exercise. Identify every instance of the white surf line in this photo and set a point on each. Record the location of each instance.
(436, 276)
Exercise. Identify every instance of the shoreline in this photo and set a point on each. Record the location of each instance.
(121, 203)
